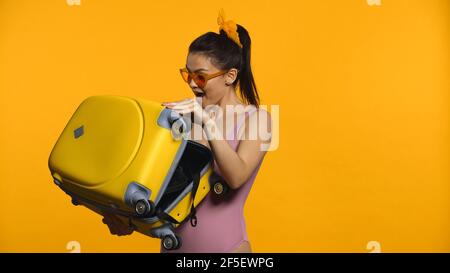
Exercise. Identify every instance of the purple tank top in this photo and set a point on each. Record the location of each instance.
(221, 224)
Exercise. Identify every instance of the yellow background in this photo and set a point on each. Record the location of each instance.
(364, 122)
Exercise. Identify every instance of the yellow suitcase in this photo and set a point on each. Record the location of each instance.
(119, 155)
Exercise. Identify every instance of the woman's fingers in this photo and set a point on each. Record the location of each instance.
(187, 106)
(183, 108)
(174, 102)
(187, 103)
(112, 229)
(126, 231)
(180, 105)
(185, 111)
(121, 227)
(115, 225)
(107, 220)
(117, 222)
(180, 102)
(190, 105)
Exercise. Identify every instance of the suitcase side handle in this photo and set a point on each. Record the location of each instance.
(172, 120)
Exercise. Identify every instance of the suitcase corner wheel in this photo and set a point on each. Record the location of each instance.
(137, 197)
(144, 207)
(171, 242)
(220, 188)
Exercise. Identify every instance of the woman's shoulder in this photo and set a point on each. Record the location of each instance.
(249, 110)
(254, 118)
(252, 113)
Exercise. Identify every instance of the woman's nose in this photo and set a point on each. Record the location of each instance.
(192, 84)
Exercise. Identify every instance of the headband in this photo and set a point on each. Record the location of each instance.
(229, 27)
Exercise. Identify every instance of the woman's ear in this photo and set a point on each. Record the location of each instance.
(231, 76)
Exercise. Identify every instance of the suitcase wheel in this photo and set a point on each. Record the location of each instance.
(171, 242)
(220, 188)
(144, 207)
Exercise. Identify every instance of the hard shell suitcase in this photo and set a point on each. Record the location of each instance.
(119, 155)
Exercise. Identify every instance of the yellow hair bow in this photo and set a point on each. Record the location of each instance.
(229, 27)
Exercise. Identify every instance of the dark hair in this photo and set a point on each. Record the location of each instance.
(227, 54)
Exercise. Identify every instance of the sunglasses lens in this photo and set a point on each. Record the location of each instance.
(200, 81)
(185, 76)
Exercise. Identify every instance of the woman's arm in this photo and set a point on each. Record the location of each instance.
(236, 166)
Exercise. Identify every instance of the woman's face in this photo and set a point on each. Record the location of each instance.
(215, 88)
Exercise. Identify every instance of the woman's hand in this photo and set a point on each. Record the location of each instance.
(115, 225)
(236, 166)
(189, 105)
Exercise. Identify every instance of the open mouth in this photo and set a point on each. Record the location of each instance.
(198, 94)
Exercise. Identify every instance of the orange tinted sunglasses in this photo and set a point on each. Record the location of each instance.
(200, 79)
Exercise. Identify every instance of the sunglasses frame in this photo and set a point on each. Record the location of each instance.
(193, 76)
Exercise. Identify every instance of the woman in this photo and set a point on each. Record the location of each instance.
(216, 64)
